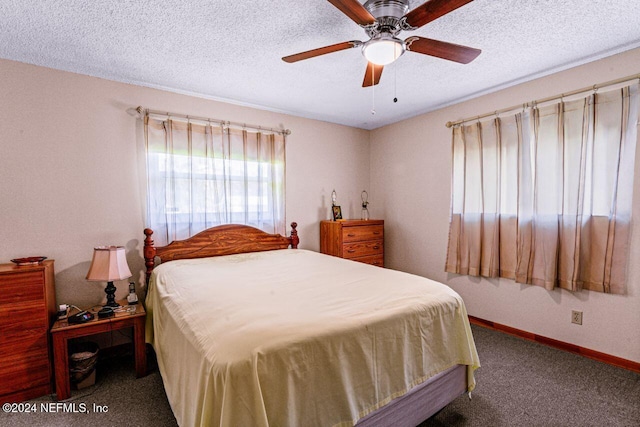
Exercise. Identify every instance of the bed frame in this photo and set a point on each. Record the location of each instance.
(419, 404)
(216, 241)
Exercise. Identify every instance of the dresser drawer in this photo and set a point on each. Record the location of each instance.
(25, 316)
(23, 333)
(19, 288)
(377, 260)
(364, 232)
(24, 371)
(360, 249)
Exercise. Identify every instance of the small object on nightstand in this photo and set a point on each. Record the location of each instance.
(105, 313)
(132, 298)
(63, 311)
(82, 317)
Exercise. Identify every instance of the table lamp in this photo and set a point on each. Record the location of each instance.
(109, 263)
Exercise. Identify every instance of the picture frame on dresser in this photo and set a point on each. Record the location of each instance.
(336, 212)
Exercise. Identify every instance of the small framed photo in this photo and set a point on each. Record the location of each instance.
(337, 212)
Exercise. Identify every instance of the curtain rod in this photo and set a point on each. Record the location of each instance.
(551, 98)
(141, 110)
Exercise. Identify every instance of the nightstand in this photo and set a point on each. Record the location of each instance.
(62, 332)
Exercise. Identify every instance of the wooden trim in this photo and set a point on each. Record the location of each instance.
(571, 348)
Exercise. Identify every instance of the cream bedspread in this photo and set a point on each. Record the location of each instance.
(297, 338)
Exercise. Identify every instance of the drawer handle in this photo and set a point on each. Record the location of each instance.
(351, 235)
(376, 247)
(350, 251)
(376, 232)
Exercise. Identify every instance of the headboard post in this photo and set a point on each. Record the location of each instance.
(149, 253)
(295, 240)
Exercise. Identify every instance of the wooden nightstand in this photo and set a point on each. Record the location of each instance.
(62, 332)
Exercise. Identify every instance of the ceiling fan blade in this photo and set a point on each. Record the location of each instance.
(355, 11)
(321, 51)
(432, 10)
(440, 49)
(372, 75)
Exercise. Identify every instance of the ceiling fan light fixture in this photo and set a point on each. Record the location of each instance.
(383, 49)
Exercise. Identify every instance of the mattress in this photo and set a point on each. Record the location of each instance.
(294, 337)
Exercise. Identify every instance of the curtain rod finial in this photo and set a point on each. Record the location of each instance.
(449, 124)
(135, 112)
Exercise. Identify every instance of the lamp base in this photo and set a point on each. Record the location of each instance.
(110, 290)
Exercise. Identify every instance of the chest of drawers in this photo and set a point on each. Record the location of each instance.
(27, 310)
(357, 240)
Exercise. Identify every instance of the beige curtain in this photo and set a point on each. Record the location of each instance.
(544, 196)
(201, 175)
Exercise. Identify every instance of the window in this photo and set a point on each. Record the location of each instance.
(544, 196)
(201, 175)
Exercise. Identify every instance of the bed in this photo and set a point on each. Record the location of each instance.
(249, 332)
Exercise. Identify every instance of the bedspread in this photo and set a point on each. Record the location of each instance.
(294, 337)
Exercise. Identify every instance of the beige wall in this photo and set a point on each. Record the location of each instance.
(411, 186)
(69, 180)
(69, 175)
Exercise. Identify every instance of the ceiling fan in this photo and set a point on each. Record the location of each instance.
(383, 20)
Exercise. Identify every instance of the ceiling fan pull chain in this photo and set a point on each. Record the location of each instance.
(395, 82)
(373, 98)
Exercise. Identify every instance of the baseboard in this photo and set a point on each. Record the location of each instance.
(571, 348)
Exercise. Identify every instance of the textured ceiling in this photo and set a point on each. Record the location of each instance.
(230, 50)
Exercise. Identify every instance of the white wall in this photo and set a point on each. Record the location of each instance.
(69, 176)
(410, 181)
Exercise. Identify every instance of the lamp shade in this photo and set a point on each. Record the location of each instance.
(109, 263)
(383, 49)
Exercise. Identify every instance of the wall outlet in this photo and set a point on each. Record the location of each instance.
(576, 317)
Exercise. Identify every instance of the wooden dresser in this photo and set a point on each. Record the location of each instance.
(358, 240)
(27, 311)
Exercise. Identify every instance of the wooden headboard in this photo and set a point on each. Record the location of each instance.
(221, 240)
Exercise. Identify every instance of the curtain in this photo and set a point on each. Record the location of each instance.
(544, 196)
(200, 175)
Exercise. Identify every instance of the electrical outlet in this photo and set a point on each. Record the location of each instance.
(576, 317)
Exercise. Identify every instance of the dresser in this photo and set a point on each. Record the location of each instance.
(357, 240)
(27, 311)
